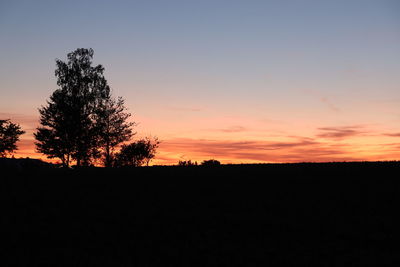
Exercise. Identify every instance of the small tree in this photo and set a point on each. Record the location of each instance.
(113, 127)
(137, 153)
(9, 136)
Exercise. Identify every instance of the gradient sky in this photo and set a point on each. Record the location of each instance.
(238, 81)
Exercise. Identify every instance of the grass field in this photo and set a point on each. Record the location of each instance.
(337, 214)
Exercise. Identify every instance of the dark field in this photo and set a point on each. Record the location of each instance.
(342, 214)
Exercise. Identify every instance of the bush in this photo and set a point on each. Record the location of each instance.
(137, 153)
(211, 162)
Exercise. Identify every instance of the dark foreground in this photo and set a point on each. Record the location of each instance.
(249, 215)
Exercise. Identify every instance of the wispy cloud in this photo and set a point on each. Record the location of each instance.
(20, 118)
(340, 132)
(392, 134)
(233, 129)
(329, 104)
(299, 150)
(322, 98)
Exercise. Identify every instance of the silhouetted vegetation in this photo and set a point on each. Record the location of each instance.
(9, 136)
(211, 162)
(69, 130)
(113, 127)
(24, 165)
(83, 122)
(187, 163)
(137, 153)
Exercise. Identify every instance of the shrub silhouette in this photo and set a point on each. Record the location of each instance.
(137, 153)
(211, 162)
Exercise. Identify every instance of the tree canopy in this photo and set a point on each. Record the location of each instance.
(81, 121)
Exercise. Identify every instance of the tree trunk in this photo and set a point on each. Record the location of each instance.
(108, 157)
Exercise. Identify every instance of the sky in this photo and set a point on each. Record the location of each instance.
(237, 81)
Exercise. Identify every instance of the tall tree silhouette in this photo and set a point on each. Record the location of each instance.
(9, 136)
(113, 127)
(69, 130)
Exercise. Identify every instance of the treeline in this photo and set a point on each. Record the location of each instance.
(210, 162)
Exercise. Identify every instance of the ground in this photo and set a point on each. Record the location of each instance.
(341, 214)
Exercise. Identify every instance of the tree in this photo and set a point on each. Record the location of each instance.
(137, 153)
(113, 127)
(69, 130)
(9, 136)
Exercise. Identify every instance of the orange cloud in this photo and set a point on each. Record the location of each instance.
(21, 118)
(392, 134)
(340, 132)
(304, 149)
(233, 129)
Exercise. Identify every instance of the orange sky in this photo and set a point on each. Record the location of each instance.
(254, 142)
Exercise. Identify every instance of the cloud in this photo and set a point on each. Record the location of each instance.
(322, 98)
(340, 132)
(391, 147)
(27, 122)
(229, 146)
(20, 118)
(298, 150)
(392, 134)
(330, 105)
(233, 129)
